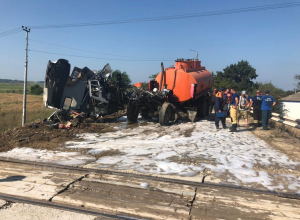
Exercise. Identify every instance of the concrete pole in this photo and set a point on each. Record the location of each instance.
(25, 78)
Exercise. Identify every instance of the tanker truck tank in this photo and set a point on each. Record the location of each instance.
(186, 79)
(182, 89)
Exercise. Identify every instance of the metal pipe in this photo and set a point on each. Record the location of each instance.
(162, 75)
(196, 53)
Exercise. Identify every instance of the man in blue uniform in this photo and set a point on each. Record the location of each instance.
(256, 102)
(266, 107)
(220, 108)
(234, 110)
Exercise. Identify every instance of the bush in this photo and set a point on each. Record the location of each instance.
(36, 90)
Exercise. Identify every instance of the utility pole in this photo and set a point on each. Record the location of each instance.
(25, 78)
(196, 53)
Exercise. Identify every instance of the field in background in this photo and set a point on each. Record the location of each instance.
(16, 87)
(11, 105)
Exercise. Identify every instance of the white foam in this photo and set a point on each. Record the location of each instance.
(153, 148)
(57, 157)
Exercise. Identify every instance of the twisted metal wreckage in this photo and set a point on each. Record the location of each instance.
(182, 89)
(82, 94)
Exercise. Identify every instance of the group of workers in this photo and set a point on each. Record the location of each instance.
(227, 101)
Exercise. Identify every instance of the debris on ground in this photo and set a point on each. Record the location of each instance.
(42, 135)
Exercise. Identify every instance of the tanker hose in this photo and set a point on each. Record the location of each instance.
(174, 80)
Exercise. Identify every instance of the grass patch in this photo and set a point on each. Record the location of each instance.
(16, 87)
(11, 108)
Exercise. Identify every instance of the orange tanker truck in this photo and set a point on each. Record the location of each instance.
(182, 89)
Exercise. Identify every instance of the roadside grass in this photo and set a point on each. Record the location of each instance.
(16, 87)
(11, 107)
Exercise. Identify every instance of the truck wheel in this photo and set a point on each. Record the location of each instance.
(165, 114)
(132, 112)
(202, 109)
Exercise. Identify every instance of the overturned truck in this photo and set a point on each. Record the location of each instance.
(182, 89)
(82, 94)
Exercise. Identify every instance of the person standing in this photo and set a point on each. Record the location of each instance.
(229, 97)
(256, 102)
(234, 109)
(213, 96)
(220, 108)
(248, 97)
(267, 102)
(243, 108)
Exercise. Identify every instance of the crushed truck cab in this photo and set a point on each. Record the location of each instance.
(84, 91)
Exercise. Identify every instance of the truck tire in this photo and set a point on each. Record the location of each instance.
(165, 114)
(132, 112)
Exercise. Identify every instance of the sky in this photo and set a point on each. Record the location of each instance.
(269, 40)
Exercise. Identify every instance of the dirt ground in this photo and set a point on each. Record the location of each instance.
(278, 139)
(40, 136)
(281, 141)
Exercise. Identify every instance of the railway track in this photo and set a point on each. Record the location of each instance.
(162, 179)
(65, 207)
(119, 195)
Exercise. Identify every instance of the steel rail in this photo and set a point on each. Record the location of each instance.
(161, 179)
(65, 207)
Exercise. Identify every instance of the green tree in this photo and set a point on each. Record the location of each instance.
(145, 85)
(153, 76)
(125, 78)
(219, 81)
(240, 75)
(36, 89)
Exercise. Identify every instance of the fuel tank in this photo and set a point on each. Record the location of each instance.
(187, 79)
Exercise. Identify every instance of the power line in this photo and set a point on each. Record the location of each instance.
(184, 16)
(7, 32)
(99, 58)
(88, 51)
(10, 32)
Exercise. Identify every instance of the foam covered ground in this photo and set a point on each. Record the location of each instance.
(186, 149)
(45, 156)
(189, 148)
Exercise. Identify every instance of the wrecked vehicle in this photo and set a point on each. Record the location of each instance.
(82, 94)
(182, 89)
